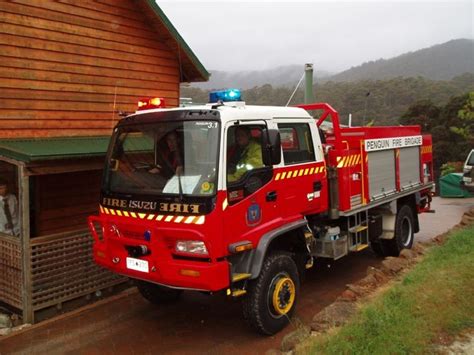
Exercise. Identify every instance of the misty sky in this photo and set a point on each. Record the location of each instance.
(334, 35)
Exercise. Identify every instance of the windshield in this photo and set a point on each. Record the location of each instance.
(470, 160)
(178, 157)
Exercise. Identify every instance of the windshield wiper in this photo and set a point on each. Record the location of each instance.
(180, 187)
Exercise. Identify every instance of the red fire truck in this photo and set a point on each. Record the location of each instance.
(242, 199)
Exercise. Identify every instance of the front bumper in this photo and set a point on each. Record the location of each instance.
(164, 267)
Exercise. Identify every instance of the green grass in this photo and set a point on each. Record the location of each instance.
(437, 296)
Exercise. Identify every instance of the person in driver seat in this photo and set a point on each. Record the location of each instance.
(245, 155)
(172, 158)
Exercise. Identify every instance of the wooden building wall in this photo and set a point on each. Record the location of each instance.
(62, 202)
(64, 63)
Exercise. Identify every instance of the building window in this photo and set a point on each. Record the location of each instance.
(296, 142)
(9, 207)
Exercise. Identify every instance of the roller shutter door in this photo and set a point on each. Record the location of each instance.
(409, 166)
(381, 173)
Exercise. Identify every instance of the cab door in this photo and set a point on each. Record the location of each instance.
(302, 176)
(251, 208)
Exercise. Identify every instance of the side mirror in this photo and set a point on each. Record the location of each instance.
(271, 147)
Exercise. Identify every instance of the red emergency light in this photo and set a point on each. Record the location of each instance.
(151, 103)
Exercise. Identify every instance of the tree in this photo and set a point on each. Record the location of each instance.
(466, 116)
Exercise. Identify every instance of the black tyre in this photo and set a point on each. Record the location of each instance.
(271, 298)
(379, 248)
(404, 235)
(404, 231)
(157, 294)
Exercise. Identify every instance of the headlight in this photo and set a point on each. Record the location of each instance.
(191, 247)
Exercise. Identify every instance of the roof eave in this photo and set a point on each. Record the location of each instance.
(200, 73)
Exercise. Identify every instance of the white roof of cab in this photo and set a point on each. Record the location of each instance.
(238, 110)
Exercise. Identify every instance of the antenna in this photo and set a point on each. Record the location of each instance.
(296, 88)
(113, 109)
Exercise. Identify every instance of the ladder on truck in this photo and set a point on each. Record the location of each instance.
(358, 231)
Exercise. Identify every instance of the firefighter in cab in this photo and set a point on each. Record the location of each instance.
(245, 155)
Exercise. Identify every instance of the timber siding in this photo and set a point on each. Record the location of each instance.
(67, 67)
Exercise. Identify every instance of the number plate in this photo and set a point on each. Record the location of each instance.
(137, 264)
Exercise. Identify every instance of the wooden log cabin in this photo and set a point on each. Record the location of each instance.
(67, 69)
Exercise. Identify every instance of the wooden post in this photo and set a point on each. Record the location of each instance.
(24, 204)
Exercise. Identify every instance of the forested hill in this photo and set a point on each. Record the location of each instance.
(387, 101)
(439, 62)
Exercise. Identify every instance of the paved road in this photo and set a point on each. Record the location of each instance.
(201, 323)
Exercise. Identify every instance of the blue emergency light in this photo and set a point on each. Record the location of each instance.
(225, 96)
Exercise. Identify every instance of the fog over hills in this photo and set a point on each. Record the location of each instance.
(287, 75)
(439, 62)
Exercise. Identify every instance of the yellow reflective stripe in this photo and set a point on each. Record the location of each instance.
(101, 209)
(311, 171)
(179, 219)
(168, 218)
(106, 210)
(341, 161)
(112, 212)
(200, 220)
(133, 214)
(150, 217)
(306, 171)
(119, 213)
(190, 219)
(142, 215)
(353, 159)
(125, 213)
(301, 172)
(277, 177)
(283, 174)
(159, 217)
(224, 205)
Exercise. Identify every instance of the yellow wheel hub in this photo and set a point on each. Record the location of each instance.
(284, 295)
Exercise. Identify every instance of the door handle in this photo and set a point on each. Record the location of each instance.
(317, 186)
(271, 196)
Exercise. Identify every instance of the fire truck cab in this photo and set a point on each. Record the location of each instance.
(241, 199)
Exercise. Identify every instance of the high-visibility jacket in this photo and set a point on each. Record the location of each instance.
(251, 158)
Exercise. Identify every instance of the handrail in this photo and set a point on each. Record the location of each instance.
(90, 221)
(328, 111)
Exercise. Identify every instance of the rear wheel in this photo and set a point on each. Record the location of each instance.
(271, 298)
(379, 248)
(404, 234)
(404, 231)
(157, 294)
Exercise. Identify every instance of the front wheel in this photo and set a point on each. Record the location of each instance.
(271, 298)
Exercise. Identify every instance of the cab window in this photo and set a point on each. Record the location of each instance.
(246, 172)
(296, 143)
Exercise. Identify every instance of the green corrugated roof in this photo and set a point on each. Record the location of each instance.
(28, 150)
